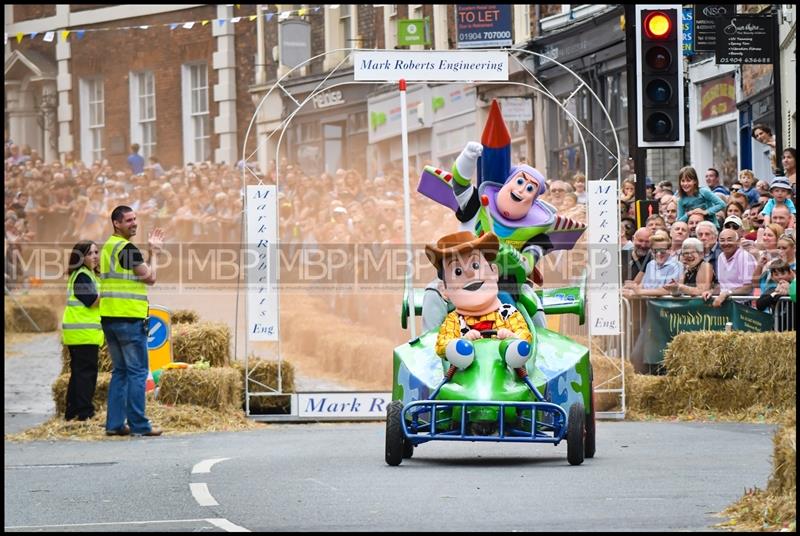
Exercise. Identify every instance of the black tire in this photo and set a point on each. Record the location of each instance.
(589, 445)
(408, 449)
(575, 434)
(394, 433)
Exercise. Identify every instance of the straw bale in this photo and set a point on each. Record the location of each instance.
(784, 468)
(45, 317)
(100, 399)
(103, 359)
(214, 387)
(765, 358)
(185, 316)
(669, 395)
(203, 341)
(265, 372)
(605, 372)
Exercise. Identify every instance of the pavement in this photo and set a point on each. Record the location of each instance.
(32, 363)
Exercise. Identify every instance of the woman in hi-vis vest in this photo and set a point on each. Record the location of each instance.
(81, 331)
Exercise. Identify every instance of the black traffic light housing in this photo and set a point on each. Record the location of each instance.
(659, 85)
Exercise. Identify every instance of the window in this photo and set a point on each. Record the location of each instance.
(196, 117)
(92, 113)
(143, 112)
(346, 25)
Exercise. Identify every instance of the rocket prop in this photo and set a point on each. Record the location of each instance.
(495, 164)
(494, 169)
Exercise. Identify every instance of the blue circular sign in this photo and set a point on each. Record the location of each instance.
(157, 334)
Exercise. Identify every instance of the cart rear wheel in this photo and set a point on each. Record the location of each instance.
(575, 434)
(408, 449)
(589, 446)
(395, 440)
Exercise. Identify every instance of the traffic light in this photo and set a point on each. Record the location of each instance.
(659, 86)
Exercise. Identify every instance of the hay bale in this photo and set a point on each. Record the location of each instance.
(100, 399)
(264, 379)
(203, 341)
(670, 395)
(185, 316)
(765, 358)
(606, 375)
(784, 458)
(45, 317)
(103, 359)
(214, 387)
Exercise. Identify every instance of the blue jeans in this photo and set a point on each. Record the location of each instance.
(127, 344)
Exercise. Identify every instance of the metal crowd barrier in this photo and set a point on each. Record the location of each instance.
(634, 311)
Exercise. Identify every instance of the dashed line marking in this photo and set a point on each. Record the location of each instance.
(201, 494)
(205, 465)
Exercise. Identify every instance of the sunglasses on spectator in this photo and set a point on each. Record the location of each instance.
(656, 251)
(735, 188)
(731, 225)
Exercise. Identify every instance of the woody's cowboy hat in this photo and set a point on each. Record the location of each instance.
(458, 243)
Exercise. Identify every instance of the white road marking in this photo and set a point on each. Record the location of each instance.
(201, 494)
(227, 526)
(205, 465)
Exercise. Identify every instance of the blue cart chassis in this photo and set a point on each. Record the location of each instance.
(419, 430)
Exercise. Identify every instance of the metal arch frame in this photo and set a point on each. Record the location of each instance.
(321, 86)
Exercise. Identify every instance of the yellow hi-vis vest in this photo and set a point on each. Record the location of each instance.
(122, 294)
(81, 324)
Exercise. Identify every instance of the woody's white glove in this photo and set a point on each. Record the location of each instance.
(467, 163)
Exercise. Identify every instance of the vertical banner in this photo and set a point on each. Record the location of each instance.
(261, 263)
(603, 248)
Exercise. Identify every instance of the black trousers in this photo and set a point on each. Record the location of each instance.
(82, 381)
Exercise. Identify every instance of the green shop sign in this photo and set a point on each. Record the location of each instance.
(667, 318)
(413, 32)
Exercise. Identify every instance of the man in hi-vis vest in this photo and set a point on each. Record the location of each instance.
(123, 314)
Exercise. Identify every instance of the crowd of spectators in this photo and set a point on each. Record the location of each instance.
(720, 240)
(713, 241)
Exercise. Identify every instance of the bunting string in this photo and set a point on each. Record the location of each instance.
(80, 33)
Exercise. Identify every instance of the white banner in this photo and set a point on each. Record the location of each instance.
(603, 293)
(430, 65)
(262, 263)
(360, 405)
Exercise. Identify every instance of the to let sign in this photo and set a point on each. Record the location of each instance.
(483, 25)
(745, 39)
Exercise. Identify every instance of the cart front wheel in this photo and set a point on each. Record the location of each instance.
(395, 440)
(575, 434)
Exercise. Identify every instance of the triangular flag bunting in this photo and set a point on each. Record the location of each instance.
(6, 37)
(65, 34)
(144, 27)
(20, 36)
(234, 20)
(49, 36)
(173, 25)
(220, 21)
(188, 25)
(34, 34)
(80, 33)
(204, 22)
(269, 16)
(284, 15)
(252, 17)
(302, 12)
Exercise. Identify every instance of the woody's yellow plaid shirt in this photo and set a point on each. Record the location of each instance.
(456, 326)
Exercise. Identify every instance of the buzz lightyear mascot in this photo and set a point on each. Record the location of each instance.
(505, 202)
